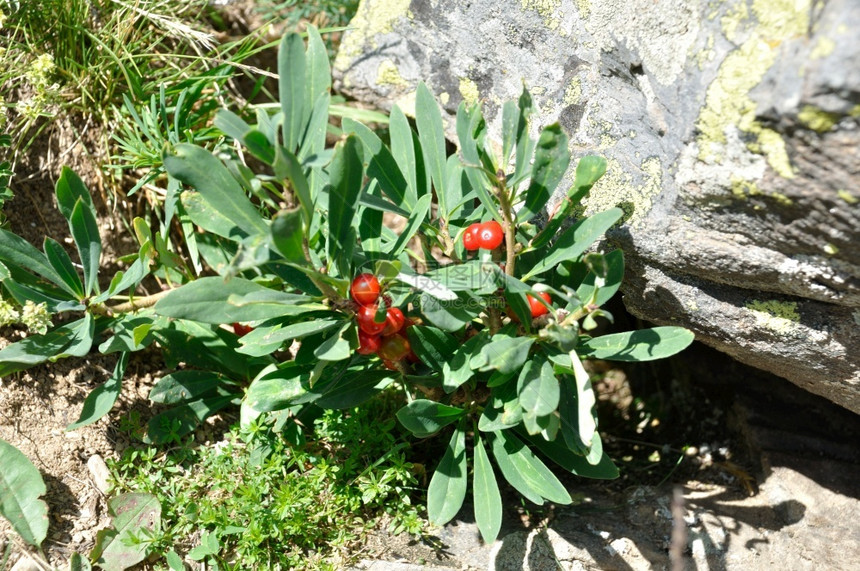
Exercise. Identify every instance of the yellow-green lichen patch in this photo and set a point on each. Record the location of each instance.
(584, 7)
(816, 119)
(727, 101)
(374, 17)
(469, 91)
(742, 188)
(847, 196)
(830, 249)
(573, 92)
(733, 18)
(823, 48)
(548, 10)
(388, 74)
(616, 188)
(778, 316)
(444, 97)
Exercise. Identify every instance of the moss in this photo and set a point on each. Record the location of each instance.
(373, 18)
(778, 316)
(727, 101)
(388, 74)
(616, 188)
(847, 196)
(816, 119)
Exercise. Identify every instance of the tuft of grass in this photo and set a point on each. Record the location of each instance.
(255, 501)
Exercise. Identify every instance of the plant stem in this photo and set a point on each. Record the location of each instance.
(130, 306)
(509, 225)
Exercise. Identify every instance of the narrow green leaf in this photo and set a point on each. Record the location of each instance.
(403, 150)
(337, 346)
(456, 370)
(525, 144)
(571, 461)
(313, 141)
(101, 399)
(503, 353)
(134, 514)
(433, 346)
(431, 133)
(447, 489)
(347, 174)
(292, 88)
(318, 71)
(575, 240)
(604, 291)
(450, 316)
(510, 123)
(485, 490)
(418, 217)
(180, 386)
(69, 189)
(231, 124)
(16, 251)
(588, 171)
(264, 340)
(201, 170)
(85, 231)
(277, 389)
(287, 166)
(551, 161)
(381, 164)
(216, 300)
(353, 389)
(424, 417)
(288, 235)
(21, 485)
(641, 345)
(537, 387)
(62, 263)
(525, 471)
(585, 401)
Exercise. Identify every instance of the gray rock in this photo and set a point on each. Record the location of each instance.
(731, 132)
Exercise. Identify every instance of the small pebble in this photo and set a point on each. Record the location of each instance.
(100, 473)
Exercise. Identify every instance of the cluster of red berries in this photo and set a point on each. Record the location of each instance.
(488, 235)
(385, 338)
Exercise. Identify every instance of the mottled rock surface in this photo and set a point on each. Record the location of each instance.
(731, 132)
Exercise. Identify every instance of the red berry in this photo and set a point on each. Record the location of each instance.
(490, 235)
(390, 365)
(367, 320)
(470, 237)
(241, 330)
(394, 321)
(537, 307)
(364, 289)
(367, 344)
(394, 348)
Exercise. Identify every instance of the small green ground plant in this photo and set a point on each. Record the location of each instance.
(294, 507)
(292, 296)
